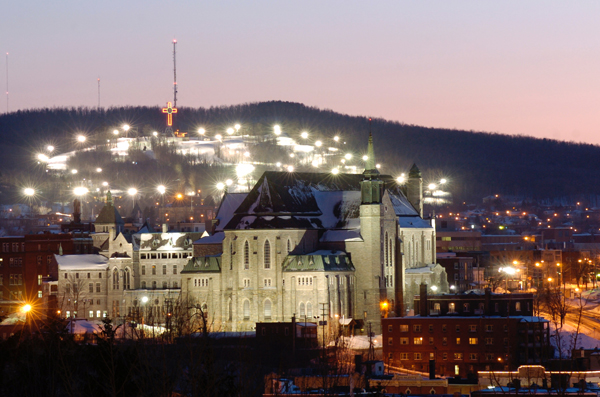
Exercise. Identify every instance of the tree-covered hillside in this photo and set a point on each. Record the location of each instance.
(476, 163)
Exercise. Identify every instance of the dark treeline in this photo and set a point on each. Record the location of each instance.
(477, 163)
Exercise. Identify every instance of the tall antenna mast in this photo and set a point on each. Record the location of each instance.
(98, 93)
(7, 83)
(174, 73)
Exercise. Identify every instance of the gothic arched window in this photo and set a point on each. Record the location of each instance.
(267, 309)
(267, 254)
(246, 307)
(246, 255)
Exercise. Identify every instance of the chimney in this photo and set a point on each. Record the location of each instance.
(423, 304)
(165, 228)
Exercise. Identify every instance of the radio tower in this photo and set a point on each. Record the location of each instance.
(174, 73)
(7, 83)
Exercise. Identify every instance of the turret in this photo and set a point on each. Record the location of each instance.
(414, 189)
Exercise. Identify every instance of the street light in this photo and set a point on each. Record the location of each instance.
(50, 148)
(277, 130)
(230, 130)
(116, 132)
(201, 131)
(81, 138)
(132, 192)
(126, 128)
(304, 135)
(29, 191)
(237, 127)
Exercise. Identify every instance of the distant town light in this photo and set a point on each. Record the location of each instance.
(278, 164)
(315, 163)
(400, 179)
(434, 288)
(218, 137)
(104, 183)
(144, 299)
(336, 138)
(378, 166)
(246, 154)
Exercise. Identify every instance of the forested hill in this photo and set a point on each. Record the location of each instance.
(477, 163)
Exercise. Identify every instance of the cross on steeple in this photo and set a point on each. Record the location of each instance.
(169, 110)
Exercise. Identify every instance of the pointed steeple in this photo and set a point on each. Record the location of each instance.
(371, 186)
(414, 172)
(109, 200)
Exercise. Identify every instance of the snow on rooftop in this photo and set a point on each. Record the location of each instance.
(341, 235)
(81, 262)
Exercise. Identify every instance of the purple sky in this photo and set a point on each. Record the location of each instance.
(514, 67)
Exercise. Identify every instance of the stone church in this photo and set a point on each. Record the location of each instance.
(317, 246)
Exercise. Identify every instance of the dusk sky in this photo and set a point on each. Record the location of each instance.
(513, 67)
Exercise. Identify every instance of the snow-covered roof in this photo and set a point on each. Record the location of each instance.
(164, 241)
(230, 203)
(414, 222)
(81, 262)
(341, 235)
(216, 238)
(401, 205)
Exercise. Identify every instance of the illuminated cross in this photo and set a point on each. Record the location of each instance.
(169, 110)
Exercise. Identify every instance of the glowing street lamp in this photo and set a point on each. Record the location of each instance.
(348, 156)
(220, 186)
(105, 184)
(132, 192)
(80, 191)
(155, 133)
(277, 130)
(98, 169)
(237, 127)
(81, 138)
(230, 130)
(365, 157)
(73, 171)
(218, 137)
(26, 308)
(336, 138)
(443, 180)
(434, 288)
(29, 191)
(401, 179)
(42, 157)
(432, 186)
(161, 189)
(335, 171)
(201, 131)
(228, 182)
(318, 143)
(116, 132)
(50, 148)
(304, 135)
(290, 168)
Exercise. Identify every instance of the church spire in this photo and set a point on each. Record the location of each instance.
(371, 170)
(109, 200)
(371, 186)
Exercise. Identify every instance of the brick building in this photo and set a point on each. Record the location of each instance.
(466, 333)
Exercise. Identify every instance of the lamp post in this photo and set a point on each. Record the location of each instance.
(132, 192)
(80, 192)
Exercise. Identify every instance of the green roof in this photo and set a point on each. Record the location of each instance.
(203, 264)
(318, 261)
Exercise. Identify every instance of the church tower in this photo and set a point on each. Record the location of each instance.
(109, 218)
(369, 263)
(414, 189)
